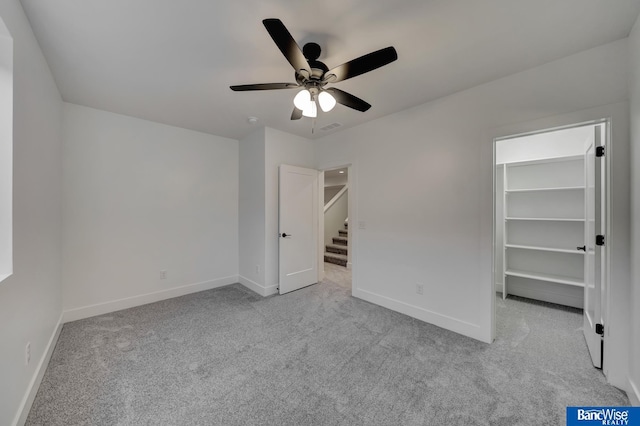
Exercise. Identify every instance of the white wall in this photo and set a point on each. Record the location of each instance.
(30, 300)
(339, 180)
(280, 148)
(560, 143)
(330, 192)
(435, 226)
(261, 154)
(141, 197)
(634, 334)
(252, 211)
(335, 216)
(6, 152)
(499, 229)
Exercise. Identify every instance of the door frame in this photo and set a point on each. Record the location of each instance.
(607, 252)
(352, 215)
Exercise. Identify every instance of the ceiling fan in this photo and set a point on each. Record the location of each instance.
(312, 76)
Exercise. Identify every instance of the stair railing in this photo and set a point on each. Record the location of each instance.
(335, 198)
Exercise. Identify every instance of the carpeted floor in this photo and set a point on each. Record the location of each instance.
(316, 356)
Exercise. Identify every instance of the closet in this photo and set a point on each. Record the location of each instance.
(540, 216)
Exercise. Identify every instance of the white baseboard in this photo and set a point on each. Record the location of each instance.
(499, 287)
(634, 393)
(257, 288)
(444, 321)
(251, 285)
(34, 385)
(272, 289)
(143, 299)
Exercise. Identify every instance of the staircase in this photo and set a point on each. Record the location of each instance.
(336, 253)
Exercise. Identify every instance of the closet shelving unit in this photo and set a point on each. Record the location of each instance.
(543, 211)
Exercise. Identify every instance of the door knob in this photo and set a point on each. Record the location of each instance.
(583, 248)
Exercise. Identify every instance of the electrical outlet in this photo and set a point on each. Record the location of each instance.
(163, 275)
(419, 288)
(27, 354)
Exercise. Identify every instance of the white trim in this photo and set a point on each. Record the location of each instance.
(257, 288)
(336, 198)
(634, 393)
(320, 228)
(453, 324)
(540, 129)
(271, 290)
(498, 287)
(143, 299)
(34, 384)
(251, 285)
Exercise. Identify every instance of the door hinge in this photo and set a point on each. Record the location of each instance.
(600, 151)
(600, 329)
(599, 240)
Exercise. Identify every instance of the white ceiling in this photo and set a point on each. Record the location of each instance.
(173, 61)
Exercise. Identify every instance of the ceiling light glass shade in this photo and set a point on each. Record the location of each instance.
(311, 110)
(326, 101)
(302, 99)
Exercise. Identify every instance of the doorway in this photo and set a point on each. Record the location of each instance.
(335, 230)
(550, 209)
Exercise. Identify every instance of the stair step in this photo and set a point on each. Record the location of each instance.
(343, 233)
(337, 259)
(336, 248)
(341, 241)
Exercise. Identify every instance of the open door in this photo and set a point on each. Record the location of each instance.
(298, 228)
(594, 239)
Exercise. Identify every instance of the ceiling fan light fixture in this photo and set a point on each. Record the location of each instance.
(326, 101)
(311, 111)
(302, 99)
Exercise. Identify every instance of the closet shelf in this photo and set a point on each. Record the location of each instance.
(559, 279)
(563, 188)
(548, 219)
(552, 249)
(542, 213)
(519, 163)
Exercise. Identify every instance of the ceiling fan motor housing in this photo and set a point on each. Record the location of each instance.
(311, 52)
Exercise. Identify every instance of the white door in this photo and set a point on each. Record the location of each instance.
(298, 227)
(594, 271)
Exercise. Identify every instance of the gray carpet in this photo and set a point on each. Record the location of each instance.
(314, 357)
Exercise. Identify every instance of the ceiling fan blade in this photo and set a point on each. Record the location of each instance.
(263, 86)
(347, 99)
(361, 65)
(287, 45)
(296, 114)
